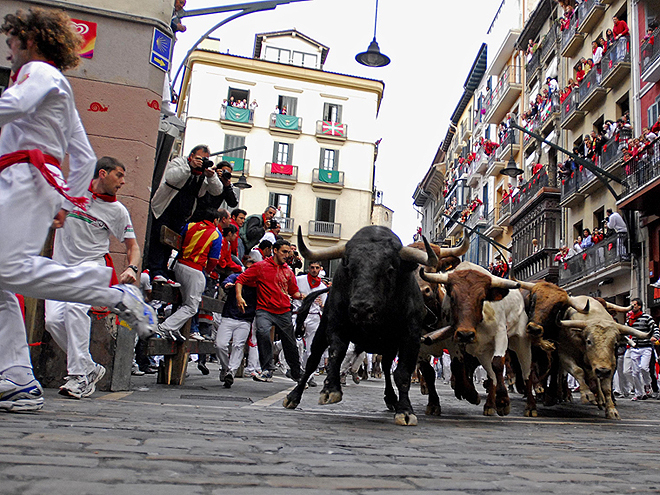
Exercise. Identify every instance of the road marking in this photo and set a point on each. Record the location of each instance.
(269, 401)
(116, 396)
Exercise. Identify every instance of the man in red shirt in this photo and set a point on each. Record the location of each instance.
(275, 282)
(238, 219)
(620, 28)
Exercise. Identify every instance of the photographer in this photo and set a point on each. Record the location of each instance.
(212, 200)
(185, 179)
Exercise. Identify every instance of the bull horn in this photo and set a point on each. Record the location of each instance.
(619, 309)
(329, 253)
(525, 285)
(415, 255)
(436, 335)
(436, 278)
(581, 324)
(573, 302)
(503, 283)
(626, 330)
(458, 250)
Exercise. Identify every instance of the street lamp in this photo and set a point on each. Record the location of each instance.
(372, 57)
(511, 168)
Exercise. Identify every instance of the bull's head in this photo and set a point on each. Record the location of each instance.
(547, 302)
(372, 263)
(467, 290)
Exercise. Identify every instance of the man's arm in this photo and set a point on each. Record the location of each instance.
(129, 276)
(240, 302)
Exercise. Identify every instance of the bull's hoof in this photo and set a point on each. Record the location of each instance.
(473, 398)
(588, 398)
(489, 411)
(405, 419)
(433, 410)
(329, 397)
(290, 403)
(423, 389)
(531, 413)
(612, 413)
(504, 411)
(390, 405)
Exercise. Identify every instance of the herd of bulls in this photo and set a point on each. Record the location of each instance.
(385, 304)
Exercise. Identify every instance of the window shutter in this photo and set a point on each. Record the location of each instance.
(272, 199)
(276, 147)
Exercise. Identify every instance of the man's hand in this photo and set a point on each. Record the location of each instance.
(297, 295)
(240, 302)
(58, 221)
(654, 340)
(127, 277)
(195, 162)
(208, 172)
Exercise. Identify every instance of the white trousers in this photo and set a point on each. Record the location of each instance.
(193, 284)
(640, 357)
(352, 361)
(311, 326)
(623, 377)
(70, 326)
(253, 354)
(27, 208)
(236, 331)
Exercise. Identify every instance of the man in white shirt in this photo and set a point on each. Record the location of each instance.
(85, 240)
(40, 125)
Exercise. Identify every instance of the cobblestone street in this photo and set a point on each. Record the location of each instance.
(202, 438)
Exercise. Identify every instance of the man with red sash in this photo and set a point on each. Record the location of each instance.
(85, 241)
(200, 251)
(40, 125)
(308, 283)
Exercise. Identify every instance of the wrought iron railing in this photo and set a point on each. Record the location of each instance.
(615, 55)
(642, 169)
(650, 50)
(510, 75)
(570, 104)
(529, 189)
(606, 253)
(590, 82)
(326, 229)
(549, 41)
(568, 33)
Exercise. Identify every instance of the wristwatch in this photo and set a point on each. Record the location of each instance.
(134, 268)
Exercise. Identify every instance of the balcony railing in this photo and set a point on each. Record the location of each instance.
(650, 50)
(549, 42)
(285, 122)
(324, 229)
(642, 169)
(286, 225)
(607, 252)
(548, 111)
(532, 125)
(529, 189)
(331, 130)
(505, 211)
(281, 172)
(568, 34)
(611, 152)
(615, 60)
(510, 76)
(238, 115)
(510, 139)
(534, 62)
(330, 178)
(589, 12)
(589, 84)
(476, 217)
(569, 108)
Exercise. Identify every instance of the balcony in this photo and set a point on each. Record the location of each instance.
(571, 38)
(549, 43)
(455, 203)
(590, 12)
(505, 212)
(531, 125)
(570, 115)
(477, 167)
(533, 67)
(465, 130)
(570, 196)
(529, 190)
(549, 114)
(615, 65)
(285, 124)
(237, 117)
(318, 228)
(641, 184)
(494, 165)
(284, 175)
(327, 179)
(591, 92)
(476, 218)
(611, 155)
(493, 228)
(331, 131)
(239, 165)
(286, 225)
(650, 55)
(501, 98)
(607, 258)
(510, 144)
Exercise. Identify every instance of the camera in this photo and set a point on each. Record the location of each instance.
(226, 174)
(206, 163)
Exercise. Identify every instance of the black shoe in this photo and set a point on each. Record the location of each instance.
(202, 367)
(229, 380)
(311, 382)
(150, 370)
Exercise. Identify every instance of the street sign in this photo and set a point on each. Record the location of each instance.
(161, 47)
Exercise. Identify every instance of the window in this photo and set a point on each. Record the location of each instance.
(288, 103)
(305, 59)
(238, 95)
(599, 216)
(577, 231)
(283, 153)
(4, 78)
(329, 159)
(283, 201)
(325, 210)
(653, 112)
(278, 55)
(332, 112)
(234, 142)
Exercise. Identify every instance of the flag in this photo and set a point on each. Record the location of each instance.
(237, 164)
(329, 176)
(87, 30)
(236, 114)
(278, 168)
(333, 128)
(286, 122)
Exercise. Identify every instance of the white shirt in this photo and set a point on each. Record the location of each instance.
(304, 287)
(86, 234)
(616, 222)
(268, 236)
(598, 55)
(39, 112)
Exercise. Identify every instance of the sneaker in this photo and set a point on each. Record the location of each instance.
(311, 382)
(93, 377)
(264, 376)
(75, 386)
(354, 375)
(134, 311)
(168, 281)
(250, 374)
(636, 397)
(202, 367)
(228, 380)
(196, 336)
(20, 398)
(174, 335)
(136, 371)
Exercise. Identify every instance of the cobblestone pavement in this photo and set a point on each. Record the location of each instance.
(204, 439)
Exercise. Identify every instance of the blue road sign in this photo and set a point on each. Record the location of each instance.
(161, 47)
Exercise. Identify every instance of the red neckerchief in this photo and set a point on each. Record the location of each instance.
(108, 198)
(633, 318)
(314, 282)
(263, 218)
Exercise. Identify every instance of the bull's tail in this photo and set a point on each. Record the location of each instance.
(303, 310)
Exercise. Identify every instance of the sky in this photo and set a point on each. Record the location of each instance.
(432, 45)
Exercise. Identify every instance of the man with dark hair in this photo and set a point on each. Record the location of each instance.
(237, 247)
(40, 125)
(200, 251)
(262, 251)
(276, 285)
(185, 179)
(212, 200)
(85, 239)
(640, 353)
(255, 227)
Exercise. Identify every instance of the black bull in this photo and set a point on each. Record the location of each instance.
(375, 302)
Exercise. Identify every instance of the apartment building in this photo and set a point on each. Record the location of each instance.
(310, 143)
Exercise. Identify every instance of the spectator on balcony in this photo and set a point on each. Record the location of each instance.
(535, 246)
(537, 168)
(565, 21)
(579, 75)
(615, 222)
(609, 39)
(586, 240)
(223, 108)
(563, 171)
(490, 147)
(253, 106)
(588, 64)
(531, 49)
(608, 130)
(553, 86)
(597, 236)
(597, 54)
(502, 130)
(577, 245)
(620, 28)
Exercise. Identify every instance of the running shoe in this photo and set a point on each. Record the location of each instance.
(93, 377)
(168, 281)
(196, 336)
(20, 398)
(203, 368)
(136, 371)
(228, 380)
(134, 311)
(264, 376)
(75, 386)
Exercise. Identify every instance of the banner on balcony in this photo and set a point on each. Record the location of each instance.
(237, 164)
(237, 114)
(333, 129)
(286, 121)
(329, 176)
(277, 168)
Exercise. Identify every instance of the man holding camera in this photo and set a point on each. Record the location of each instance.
(185, 180)
(212, 200)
